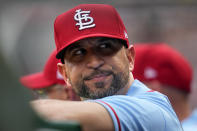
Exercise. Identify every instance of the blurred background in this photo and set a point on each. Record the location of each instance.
(26, 29)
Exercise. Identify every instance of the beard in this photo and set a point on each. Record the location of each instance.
(119, 81)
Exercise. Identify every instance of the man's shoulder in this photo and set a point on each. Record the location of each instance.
(141, 91)
(143, 111)
(141, 99)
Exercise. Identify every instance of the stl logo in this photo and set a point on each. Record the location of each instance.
(83, 19)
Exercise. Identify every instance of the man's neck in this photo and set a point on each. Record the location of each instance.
(182, 110)
(124, 90)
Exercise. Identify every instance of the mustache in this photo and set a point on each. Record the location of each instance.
(98, 73)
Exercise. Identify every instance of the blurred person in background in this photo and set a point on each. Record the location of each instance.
(164, 69)
(49, 83)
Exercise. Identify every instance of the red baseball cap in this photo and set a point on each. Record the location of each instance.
(49, 76)
(160, 62)
(87, 20)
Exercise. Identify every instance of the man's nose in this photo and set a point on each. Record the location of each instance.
(94, 62)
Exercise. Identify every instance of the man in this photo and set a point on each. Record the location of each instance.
(97, 61)
(49, 83)
(164, 69)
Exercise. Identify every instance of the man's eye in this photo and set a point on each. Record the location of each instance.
(79, 52)
(105, 45)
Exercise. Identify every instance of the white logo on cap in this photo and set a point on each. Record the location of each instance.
(59, 76)
(125, 34)
(150, 73)
(83, 19)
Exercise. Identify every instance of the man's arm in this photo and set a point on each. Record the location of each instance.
(91, 115)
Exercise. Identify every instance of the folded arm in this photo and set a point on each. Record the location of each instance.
(91, 115)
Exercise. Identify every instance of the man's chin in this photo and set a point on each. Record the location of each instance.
(99, 93)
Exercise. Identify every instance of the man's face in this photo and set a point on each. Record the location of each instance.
(97, 67)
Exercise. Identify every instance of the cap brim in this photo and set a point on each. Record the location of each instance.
(36, 81)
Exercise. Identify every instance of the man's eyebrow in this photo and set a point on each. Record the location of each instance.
(73, 46)
(105, 39)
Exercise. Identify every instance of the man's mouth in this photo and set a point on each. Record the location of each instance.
(98, 76)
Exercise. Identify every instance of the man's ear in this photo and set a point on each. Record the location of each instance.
(61, 68)
(131, 57)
